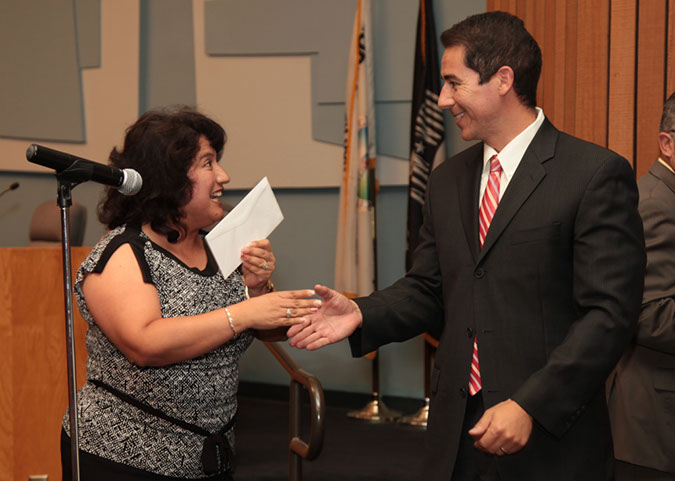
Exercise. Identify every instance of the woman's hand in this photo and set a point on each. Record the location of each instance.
(258, 263)
(128, 312)
(273, 310)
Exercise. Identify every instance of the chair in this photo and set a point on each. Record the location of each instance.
(45, 225)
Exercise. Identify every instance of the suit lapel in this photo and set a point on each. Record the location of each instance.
(528, 175)
(660, 171)
(468, 184)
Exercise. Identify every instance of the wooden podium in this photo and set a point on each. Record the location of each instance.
(33, 366)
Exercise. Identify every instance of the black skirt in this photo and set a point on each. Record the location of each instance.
(96, 468)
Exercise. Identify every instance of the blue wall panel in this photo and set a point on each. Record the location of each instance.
(322, 28)
(167, 65)
(41, 94)
(41, 53)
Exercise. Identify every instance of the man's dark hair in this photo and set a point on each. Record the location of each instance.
(496, 39)
(161, 146)
(668, 117)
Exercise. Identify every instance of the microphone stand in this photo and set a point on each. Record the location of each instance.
(65, 186)
(12, 187)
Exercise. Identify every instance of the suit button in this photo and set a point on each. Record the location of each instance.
(462, 392)
(479, 273)
(469, 332)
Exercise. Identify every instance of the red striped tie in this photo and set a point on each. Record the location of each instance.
(488, 206)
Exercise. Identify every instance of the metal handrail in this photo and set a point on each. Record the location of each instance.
(299, 449)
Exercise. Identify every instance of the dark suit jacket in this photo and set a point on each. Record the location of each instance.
(553, 297)
(642, 397)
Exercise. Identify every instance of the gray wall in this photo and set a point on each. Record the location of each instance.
(17, 206)
(304, 243)
(305, 248)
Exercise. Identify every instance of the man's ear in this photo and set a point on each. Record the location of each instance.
(505, 78)
(666, 146)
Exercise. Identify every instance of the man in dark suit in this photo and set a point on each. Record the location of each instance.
(530, 265)
(642, 394)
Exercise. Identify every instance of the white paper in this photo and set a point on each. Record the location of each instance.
(254, 218)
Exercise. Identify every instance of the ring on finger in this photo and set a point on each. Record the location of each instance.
(503, 450)
(288, 313)
(264, 266)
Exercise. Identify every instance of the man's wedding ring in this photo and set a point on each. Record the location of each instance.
(503, 451)
(264, 267)
(288, 313)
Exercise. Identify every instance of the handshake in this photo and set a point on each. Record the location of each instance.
(336, 319)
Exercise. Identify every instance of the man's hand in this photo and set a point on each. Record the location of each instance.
(503, 429)
(336, 319)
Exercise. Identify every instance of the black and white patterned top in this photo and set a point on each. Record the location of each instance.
(200, 391)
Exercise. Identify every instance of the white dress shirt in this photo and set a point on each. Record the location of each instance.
(510, 156)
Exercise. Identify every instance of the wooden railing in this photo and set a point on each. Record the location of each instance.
(297, 448)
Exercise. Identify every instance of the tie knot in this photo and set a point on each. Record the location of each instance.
(495, 166)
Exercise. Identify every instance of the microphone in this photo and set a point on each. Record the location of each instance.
(127, 181)
(13, 186)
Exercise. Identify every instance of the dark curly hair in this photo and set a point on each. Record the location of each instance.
(161, 146)
(495, 39)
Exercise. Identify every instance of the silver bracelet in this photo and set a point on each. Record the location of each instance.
(229, 319)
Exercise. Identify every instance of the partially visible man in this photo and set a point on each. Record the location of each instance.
(642, 395)
(531, 263)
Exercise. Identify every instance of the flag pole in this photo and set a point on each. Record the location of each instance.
(427, 149)
(376, 411)
(356, 250)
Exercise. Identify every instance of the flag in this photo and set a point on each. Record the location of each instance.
(427, 131)
(355, 265)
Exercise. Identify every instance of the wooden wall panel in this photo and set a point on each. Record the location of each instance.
(34, 373)
(557, 95)
(670, 50)
(546, 90)
(570, 90)
(608, 67)
(525, 10)
(650, 81)
(503, 5)
(592, 70)
(533, 13)
(622, 51)
(6, 376)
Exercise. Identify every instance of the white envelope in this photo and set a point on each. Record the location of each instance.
(254, 218)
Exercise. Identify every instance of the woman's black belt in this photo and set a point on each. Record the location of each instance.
(217, 453)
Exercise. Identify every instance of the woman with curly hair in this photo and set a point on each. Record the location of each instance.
(165, 328)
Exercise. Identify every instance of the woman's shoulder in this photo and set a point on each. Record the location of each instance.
(108, 245)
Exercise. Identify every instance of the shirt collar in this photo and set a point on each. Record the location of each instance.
(666, 164)
(513, 152)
